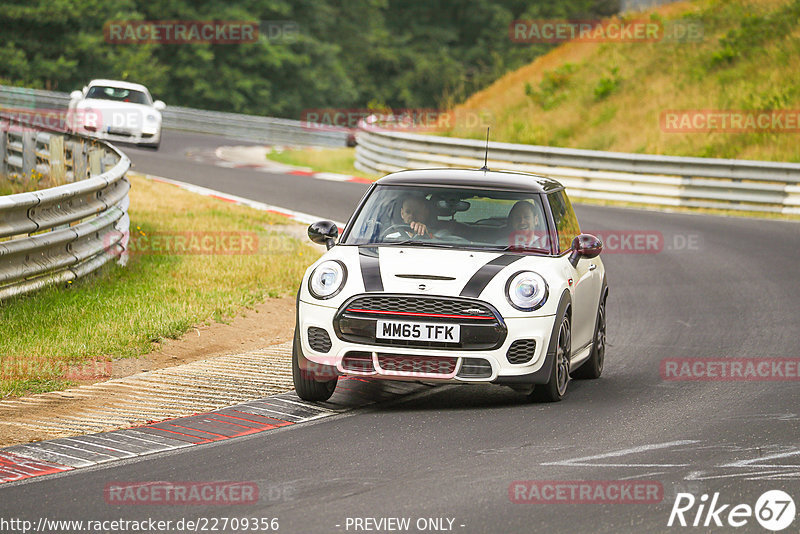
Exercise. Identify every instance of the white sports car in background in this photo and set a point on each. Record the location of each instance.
(454, 275)
(116, 111)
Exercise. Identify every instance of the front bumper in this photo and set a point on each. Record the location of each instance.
(146, 137)
(386, 360)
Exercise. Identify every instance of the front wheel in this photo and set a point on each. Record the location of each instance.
(593, 367)
(556, 387)
(305, 380)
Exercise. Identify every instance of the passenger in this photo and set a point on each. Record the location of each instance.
(525, 227)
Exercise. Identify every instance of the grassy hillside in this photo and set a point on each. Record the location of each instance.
(609, 96)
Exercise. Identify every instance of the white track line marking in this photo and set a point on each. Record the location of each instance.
(296, 215)
(749, 463)
(623, 452)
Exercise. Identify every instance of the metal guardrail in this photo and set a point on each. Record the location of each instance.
(231, 125)
(636, 178)
(60, 233)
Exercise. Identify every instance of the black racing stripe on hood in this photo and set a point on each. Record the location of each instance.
(370, 268)
(484, 275)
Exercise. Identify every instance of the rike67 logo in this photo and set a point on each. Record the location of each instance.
(774, 510)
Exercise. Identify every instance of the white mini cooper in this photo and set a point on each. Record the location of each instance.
(452, 275)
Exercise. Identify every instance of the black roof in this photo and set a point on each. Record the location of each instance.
(473, 178)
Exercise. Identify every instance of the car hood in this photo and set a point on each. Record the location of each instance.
(428, 270)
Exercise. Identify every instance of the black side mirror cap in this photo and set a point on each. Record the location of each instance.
(323, 233)
(585, 246)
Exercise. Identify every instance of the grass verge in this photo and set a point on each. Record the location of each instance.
(338, 160)
(51, 335)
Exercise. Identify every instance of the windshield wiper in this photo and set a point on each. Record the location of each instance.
(514, 248)
(415, 242)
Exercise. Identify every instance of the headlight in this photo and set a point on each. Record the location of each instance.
(526, 291)
(151, 118)
(327, 279)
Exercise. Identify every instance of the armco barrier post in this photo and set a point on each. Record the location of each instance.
(95, 161)
(58, 169)
(79, 160)
(3, 145)
(28, 155)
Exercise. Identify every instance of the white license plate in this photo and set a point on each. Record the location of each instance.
(446, 333)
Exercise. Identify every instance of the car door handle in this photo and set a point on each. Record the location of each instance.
(592, 266)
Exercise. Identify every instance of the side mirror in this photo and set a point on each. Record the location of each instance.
(585, 246)
(323, 233)
(159, 105)
(75, 95)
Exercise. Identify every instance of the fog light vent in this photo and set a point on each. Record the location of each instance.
(521, 351)
(319, 339)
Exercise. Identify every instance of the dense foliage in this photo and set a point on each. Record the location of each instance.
(347, 53)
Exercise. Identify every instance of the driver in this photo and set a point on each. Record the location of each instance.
(416, 213)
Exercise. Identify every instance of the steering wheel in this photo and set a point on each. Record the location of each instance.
(402, 228)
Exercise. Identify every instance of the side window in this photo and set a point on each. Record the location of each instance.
(566, 222)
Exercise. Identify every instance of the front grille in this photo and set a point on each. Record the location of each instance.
(436, 365)
(475, 368)
(481, 326)
(521, 351)
(120, 133)
(319, 339)
(421, 306)
(359, 361)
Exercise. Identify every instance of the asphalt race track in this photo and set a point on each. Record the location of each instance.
(715, 287)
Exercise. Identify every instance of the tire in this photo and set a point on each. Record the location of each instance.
(556, 387)
(593, 367)
(305, 383)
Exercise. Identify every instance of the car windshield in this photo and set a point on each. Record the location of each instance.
(451, 217)
(118, 94)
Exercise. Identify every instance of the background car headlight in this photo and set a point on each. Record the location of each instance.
(327, 279)
(151, 118)
(526, 291)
